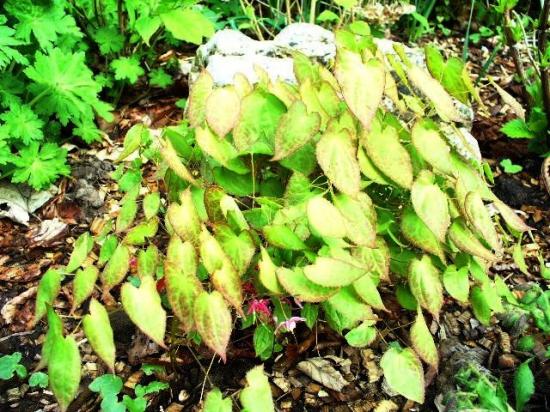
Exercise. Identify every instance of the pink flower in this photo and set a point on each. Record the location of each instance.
(259, 306)
(290, 324)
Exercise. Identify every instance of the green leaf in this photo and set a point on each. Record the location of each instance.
(362, 84)
(83, 284)
(184, 218)
(296, 128)
(55, 329)
(386, 152)
(64, 370)
(256, 395)
(267, 273)
(222, 110)
(519, 258)
(227, 281)
(425, 285)
(107, 249)
(82, 247)
(325, 219)
(97, 328)
(360, 218)
(375, 260)
(159, 78)
(346, 310)
(126, 215)
(151, 205)
(263, 340)
(283, 237)
(366, 289)
(258, 121)
(117, 267)
(143, 306)
(524, 385)
(517, 129)
(480, 305)
(9, 365)
(213, 321)
(479, 218)
(146, 26)
(310, 313)
(456, 282)
(298, 285)
(428, 142)
(403, 373)
(198, 95)
(48, 289)
(220, 149)
(215, 402)
(38, 379)
(465, 240)
(361, 336)
(182, 284)
(137, 135)
(40, 166)
(141, 232)
(187, 25)
(331, 272)
(240, 249)
(510, 167)
(431, 205)
(21, 123)
(423, 342)
(417, 233)
(336, 155)
(451, 73)
(510, 217)
(138, 404)
(147, 261)
(127, 68)
(327, 16)
(106, 385)
(369, 169)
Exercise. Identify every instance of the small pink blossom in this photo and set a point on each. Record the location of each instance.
(298, 303)
(259, 306)
(290, 324)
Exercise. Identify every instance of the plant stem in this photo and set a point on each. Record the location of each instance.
(465, 51)
(39, 96)
(544, 70)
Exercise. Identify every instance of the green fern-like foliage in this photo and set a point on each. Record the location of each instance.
(314, 193)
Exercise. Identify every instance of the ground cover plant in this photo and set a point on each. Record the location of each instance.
(311, 202)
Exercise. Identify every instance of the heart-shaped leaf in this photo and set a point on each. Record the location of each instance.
(151, 204)
(331, 272)
(360, 218)
(48, 289)
(431, 205)
(117, 267)
(198, 96)
(456, 282)
(267, 273)
(64, 370)
(362, 84)
(479, 218)
(213, 321)
(144, 308)
(97, 328)
(416, 232)
(256, 396)
(147, 261)
(297, 284)
(403, 372)
(425, 285)
(184, 218)
(423, 341)
(366, 289)
(139, 233)
(82, 247)
(431, 146)
(465, 240)
(283, 237)
(296, 128)
(220, 150)
(83, 284)
(375, 260)
(227, 281)
(337, 156)
(222, 109)
(325, 219)
(240, 249)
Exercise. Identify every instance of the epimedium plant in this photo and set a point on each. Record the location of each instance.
(293, 202)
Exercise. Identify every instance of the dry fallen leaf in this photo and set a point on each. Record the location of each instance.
(323, 371)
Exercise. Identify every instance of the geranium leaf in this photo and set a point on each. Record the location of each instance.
(337, 157)
(99, 332)
(213, 321)
(144, 308)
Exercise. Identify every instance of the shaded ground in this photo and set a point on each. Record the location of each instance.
(85, 201)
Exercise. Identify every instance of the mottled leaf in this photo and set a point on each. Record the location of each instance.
(82, 247)
(416, 232)
(479, 218)
(298, 285)
(117, 267)
(423, 341)
(431, 146)
(222, 109)
(465, 240)
(184, 218)
(171, 158)
(403, 373)
(83, 284)
(198, 95)
(151, 204)
(48, 289)
(425, 285)
(213, 321)
(360, 218)
(325, 219)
